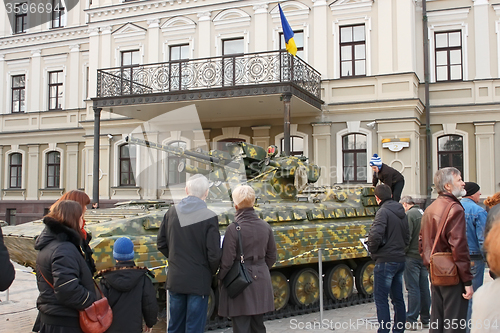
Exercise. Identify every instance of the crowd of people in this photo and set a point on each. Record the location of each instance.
(403, 245)
(402, 241)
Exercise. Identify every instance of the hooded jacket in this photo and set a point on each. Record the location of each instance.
(61, 262)
(131, 295)
(389, 234)
(189, 237)
(6, 267)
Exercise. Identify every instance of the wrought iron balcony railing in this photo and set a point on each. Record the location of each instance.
(208, 73)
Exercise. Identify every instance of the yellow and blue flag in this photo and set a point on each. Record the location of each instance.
(287, 34)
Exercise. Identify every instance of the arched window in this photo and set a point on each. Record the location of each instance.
(16, 168)
(53, 169)
(174, 176)
(296, 145)
(451, 152)
(127, 160)
(354, 157)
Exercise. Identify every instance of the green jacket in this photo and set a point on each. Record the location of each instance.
(414, 217)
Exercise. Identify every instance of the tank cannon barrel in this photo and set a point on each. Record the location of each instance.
(188, 154)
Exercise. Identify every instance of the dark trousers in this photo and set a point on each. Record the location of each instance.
(249, 324)
(188, 313)
(397, 189)
(448, 309)
(419, 296)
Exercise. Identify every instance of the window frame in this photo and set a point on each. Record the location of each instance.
(57, 170)
(131, 160)
(127, 71)
(451, 153)
(282, 48)
(57, 15)
(353, 45)
(292, 151)
(59, 87)
(176, 65)
(23, 16)
(18, 172)
(355, 159)
(448, 50)
(13, 89)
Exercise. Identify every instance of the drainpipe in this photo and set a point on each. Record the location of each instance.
(428, 150)
(95, 174)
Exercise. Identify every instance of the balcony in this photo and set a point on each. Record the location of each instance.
(246, 75)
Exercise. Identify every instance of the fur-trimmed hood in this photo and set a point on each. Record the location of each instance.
(55, 231)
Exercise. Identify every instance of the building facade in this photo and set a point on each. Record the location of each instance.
(54, 63)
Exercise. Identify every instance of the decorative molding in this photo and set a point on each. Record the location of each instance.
(178, 25)
(204, 16)
(153, 23)
(233, 17)
(350, 7)
(260, 8)
(130, 32)
(295, 11)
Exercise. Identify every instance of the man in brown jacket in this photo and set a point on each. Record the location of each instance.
(448, 304)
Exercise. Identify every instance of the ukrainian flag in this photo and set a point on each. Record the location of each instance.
(287, 34)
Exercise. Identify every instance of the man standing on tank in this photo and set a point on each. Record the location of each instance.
(189, 237)
(388, 237)
(387, 175)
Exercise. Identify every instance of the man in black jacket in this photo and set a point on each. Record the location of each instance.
(7, 272)
(388, 237)
(189, 237)
(388, 176)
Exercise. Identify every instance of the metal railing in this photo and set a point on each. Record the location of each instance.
(208, 73)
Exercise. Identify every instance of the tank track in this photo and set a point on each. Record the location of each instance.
(295, 310)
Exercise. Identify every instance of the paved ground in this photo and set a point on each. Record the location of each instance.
(18, 312)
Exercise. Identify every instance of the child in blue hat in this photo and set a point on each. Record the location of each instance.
(129, 290)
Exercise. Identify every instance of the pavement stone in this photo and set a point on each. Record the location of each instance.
(18, 313)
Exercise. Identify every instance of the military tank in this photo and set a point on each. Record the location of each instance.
(304, 219)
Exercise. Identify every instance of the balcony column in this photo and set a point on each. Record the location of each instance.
(204, 50)
(286, 97)
(485, 157)
(95, 173)
(33, 168)
(153, 41)
(261, 30)
(320, 59)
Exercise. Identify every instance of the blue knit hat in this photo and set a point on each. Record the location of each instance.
(376, 161)
(123, 249)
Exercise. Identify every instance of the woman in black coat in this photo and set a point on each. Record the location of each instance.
(63, 277)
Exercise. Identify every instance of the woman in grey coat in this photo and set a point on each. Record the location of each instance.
(259, 248)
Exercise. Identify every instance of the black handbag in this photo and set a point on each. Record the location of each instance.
(237, 279)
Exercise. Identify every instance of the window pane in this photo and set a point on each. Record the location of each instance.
(346, 53)
(347, 68)
(359, 67)
(360, 141)
(455, 57)
(233, 46)
(442, 73)
(298, 38)
(346, 34)
(124, 151)
(457, 160)
(444, 161)
(361, 159)
(125, 165)
(359, 51)
(442, 40)
(16, 158)
(456, 72)
(345, 142)
(348, 173)
(359, 33)
(349, 141)
(15, 95)
(185, 52)
(361, 173)
(348, 159)
(135, 58)
(297, 144)
(441, 58)
(124, 179)
(454, 38)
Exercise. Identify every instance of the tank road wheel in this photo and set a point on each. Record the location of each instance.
(281, 290)
(364, 278)
(211, 304)
(339, 282)
(304, 287)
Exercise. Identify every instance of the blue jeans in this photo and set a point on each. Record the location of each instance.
(388, 280)
(419, 295)
(188, 313)
(477, 269)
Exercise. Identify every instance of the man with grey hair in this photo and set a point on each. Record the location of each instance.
(449, 303)
(415, 274)
(189, 237)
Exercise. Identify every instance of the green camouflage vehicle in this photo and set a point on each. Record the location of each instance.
(304, 219)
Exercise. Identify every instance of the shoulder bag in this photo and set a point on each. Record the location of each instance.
(97, 318)
(238, 278)
(442, 266)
